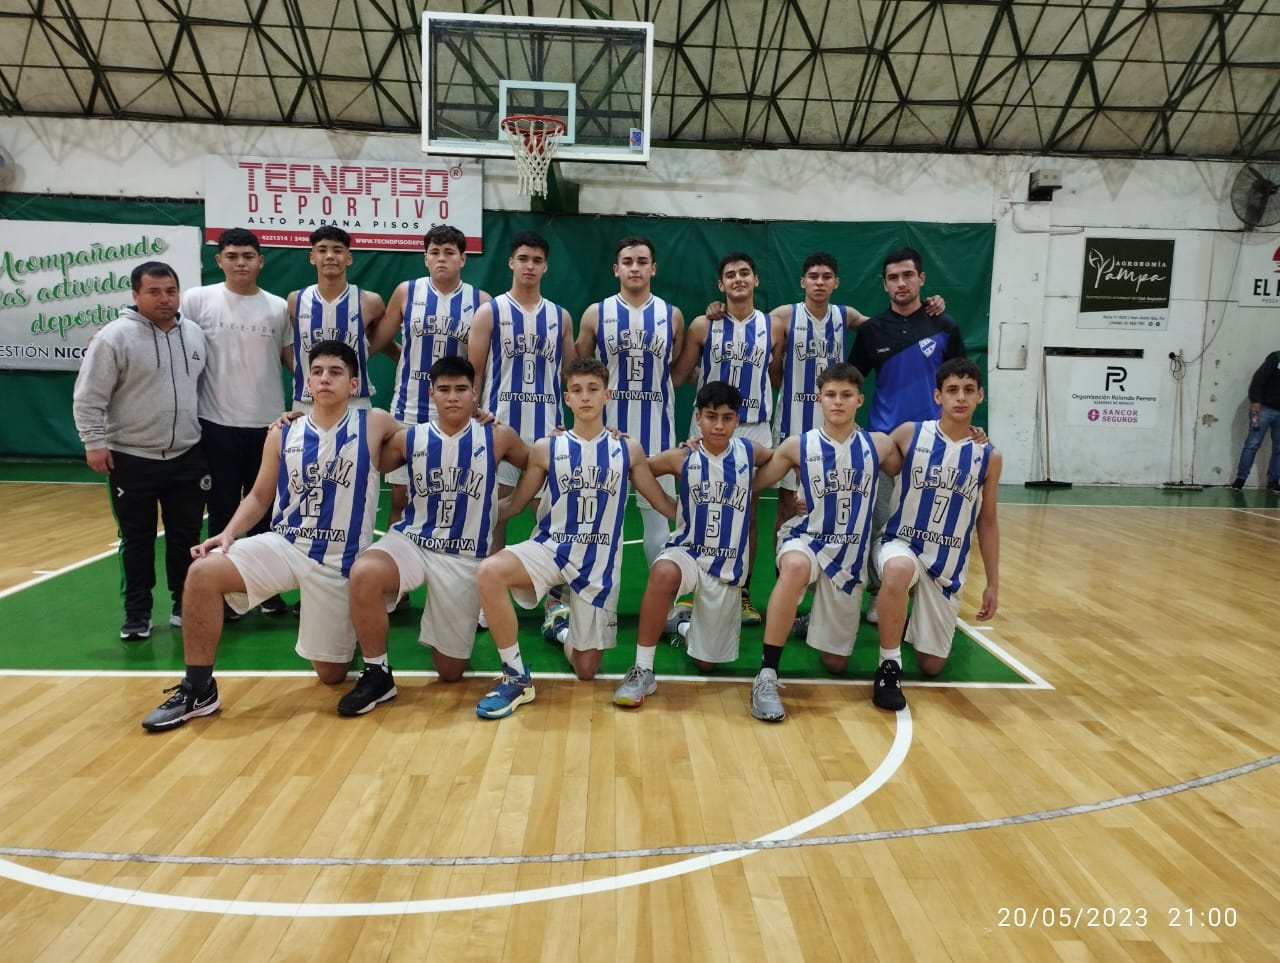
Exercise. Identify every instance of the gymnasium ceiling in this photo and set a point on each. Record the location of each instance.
(1140, 78)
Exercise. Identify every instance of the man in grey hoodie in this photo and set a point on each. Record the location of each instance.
(135, 409)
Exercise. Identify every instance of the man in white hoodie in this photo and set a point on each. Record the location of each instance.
(135, 410)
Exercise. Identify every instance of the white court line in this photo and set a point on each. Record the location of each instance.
(980, 635)
(189, 904)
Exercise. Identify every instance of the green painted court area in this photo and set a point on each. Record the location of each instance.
(72, 621)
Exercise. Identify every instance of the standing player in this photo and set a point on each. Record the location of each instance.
(521, 342)
(947, 493)
(321, 474)
(248, 335)
(433, 316)
(837, 466)
(637, 336)
(707, 554)
(332, 310)
(446, 531)
(135, 406)
(905, 347)
(577, 541)
(738, 349)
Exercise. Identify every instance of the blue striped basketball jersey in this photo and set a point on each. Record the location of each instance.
(315, 320)
(452, 489)
(713, 510)
(581, 519)
(812, 344)
(434, 325)
(522, 385)
(738, 352)
(938, 502)
(838, 483)
(327, 489)
(635, 345)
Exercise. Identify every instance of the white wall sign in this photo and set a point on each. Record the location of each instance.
(1113, 392)
(383, 206)
(1258, 274)
(60, 282)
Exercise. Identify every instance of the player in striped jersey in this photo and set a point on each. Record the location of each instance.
(446, 531)
(577, 541)
(521, 343)
(947, 492)
(638, 336)
(332, 310)
(707, 554)
(319, 475)
(738, 348)
(433, 316)
(837, 466)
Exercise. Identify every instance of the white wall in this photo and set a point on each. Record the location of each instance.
(1038, 253)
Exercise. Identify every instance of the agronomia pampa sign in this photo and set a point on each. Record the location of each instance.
(382, 205)
(1125, 283)
(67, 280)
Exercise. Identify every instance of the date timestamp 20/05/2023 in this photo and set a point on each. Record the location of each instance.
(1068, 917)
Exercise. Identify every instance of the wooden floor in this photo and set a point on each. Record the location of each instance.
(531, 838)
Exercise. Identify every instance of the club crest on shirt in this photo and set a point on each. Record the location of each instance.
(928, 346)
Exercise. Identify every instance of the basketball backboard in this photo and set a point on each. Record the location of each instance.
(594, 75)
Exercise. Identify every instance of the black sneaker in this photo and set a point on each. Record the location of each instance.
(1273, 488)
(184, 704)
(800, 627)
(274, 606)
(1237, 485)
(175, 617)
(229, 614)
(374, 685)
(886, 691)
(136, 628)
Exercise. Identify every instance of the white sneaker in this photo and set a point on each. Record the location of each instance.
(481, 622)
(873, 613)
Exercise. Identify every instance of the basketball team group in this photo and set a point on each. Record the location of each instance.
(178, 403)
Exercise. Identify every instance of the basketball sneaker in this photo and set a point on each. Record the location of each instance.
(175, 617)
(765, 704)
(681, 615)
(749, 614)
(184, 704)
(136, 628)
(636, 684)
(482, 623)
(513, 690)
(229, 614)
(555, 624)
(274, 606)
(873, 612)
(886, 691)
(375, 685)
(1237, 485)
(800, 627)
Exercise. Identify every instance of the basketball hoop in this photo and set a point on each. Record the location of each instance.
(533, 141)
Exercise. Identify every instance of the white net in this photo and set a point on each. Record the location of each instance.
(533, 141)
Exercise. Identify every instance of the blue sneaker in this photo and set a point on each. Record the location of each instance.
(512, 690)
(555, 624)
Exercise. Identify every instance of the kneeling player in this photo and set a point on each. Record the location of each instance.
(577, 541)
(707, 554)
(947, 492)
(446, 529)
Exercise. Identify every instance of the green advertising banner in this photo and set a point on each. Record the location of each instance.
(60, 282)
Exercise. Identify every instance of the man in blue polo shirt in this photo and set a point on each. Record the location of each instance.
(905, 347)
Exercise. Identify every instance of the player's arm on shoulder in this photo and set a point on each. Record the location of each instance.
(390, 448)
(383, 331)
(934, 305)
(645, 483)
(989, 536)
(479, 337)
(677, 332)
(853, 318)
(669, 462)
(687, 363)
(893, 449)
(780, 335)
(785, 457)
(585, 346)
(761, 455)
(567, 351)
(510, 447)
(535, 474)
